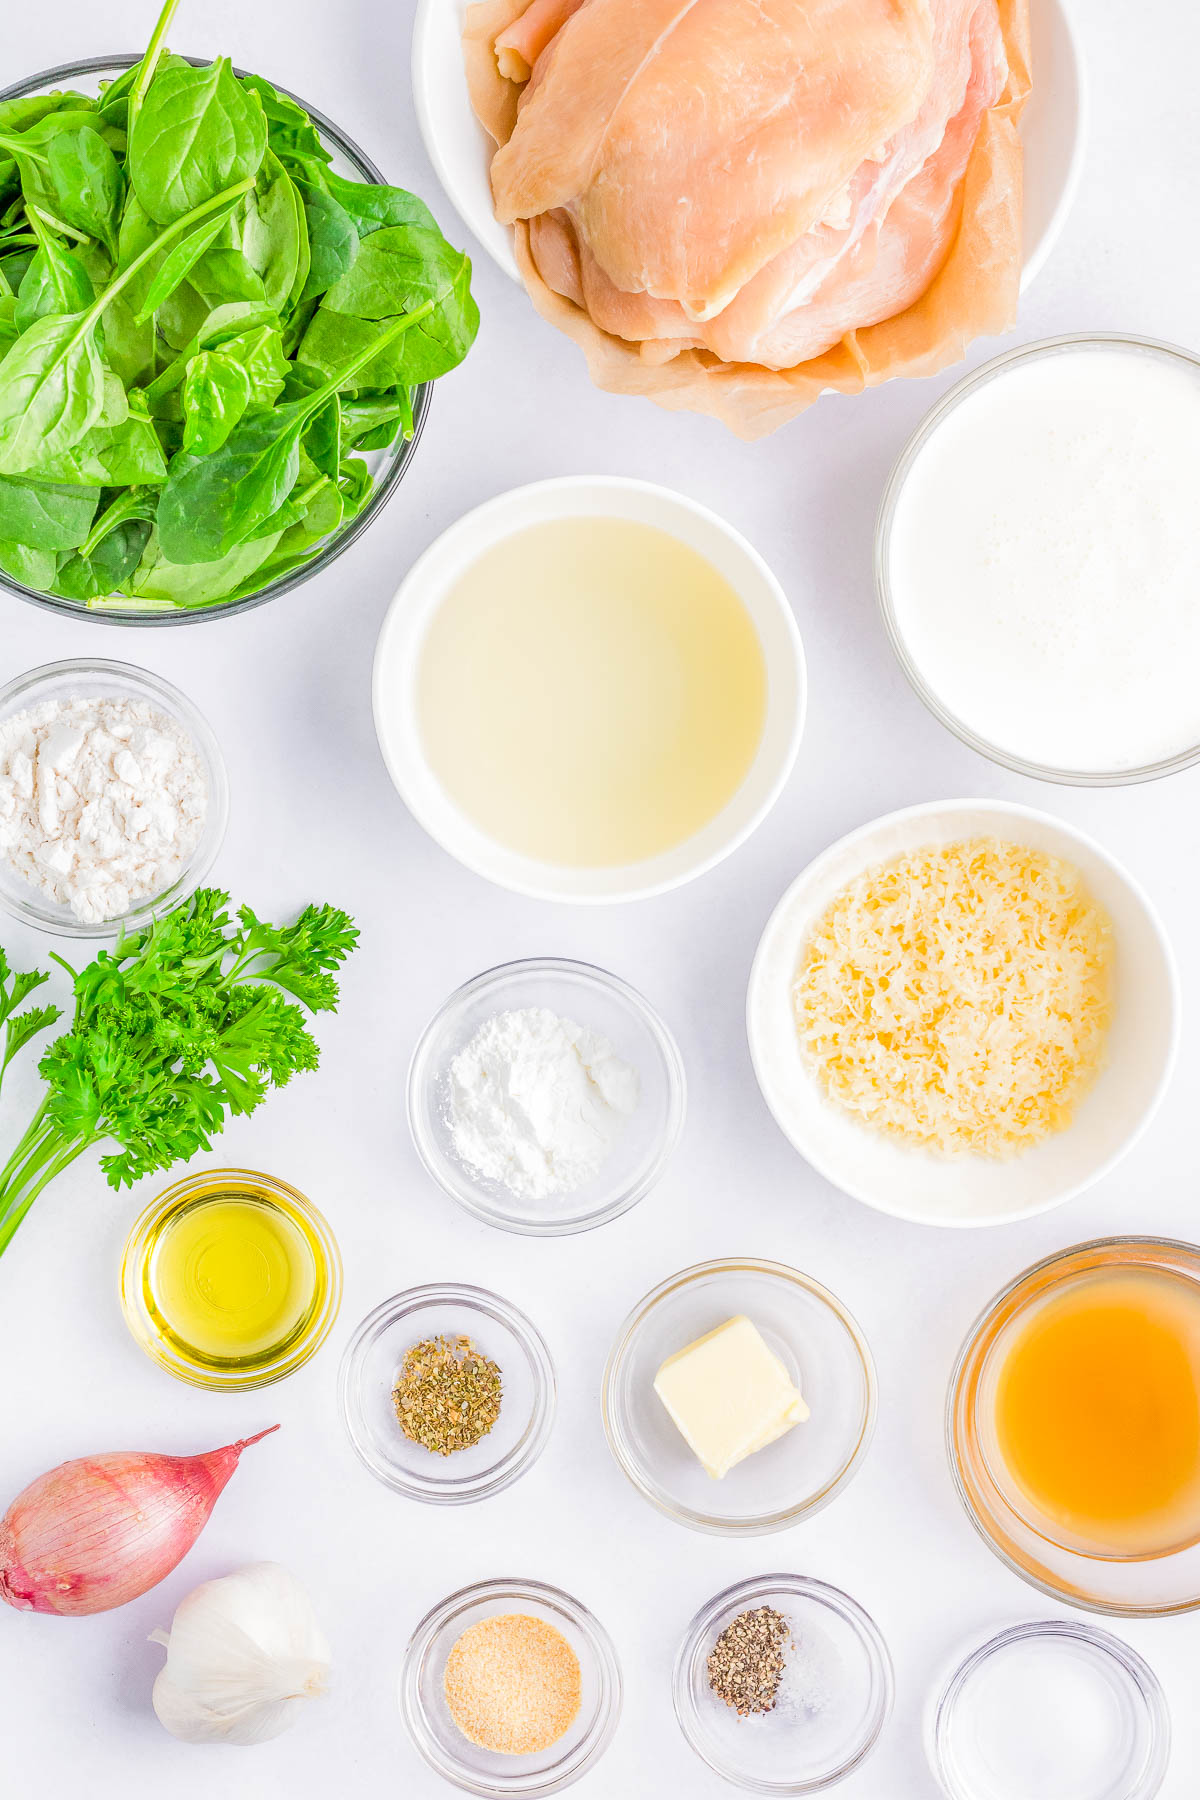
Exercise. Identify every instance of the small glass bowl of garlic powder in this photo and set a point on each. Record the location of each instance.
(546, 1097)
(113, 797)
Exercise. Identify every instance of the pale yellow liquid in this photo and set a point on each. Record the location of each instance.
(591, 692)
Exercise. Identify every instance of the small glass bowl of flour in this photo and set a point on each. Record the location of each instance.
(113, 797)
(546, 1097)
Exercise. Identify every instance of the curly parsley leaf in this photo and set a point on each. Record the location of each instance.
(178, 1026)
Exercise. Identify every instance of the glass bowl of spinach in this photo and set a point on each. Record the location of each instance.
(218, 331)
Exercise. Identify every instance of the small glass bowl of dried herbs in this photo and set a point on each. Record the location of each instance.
(447, 1393)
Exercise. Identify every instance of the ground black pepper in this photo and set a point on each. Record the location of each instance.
(746, 1662)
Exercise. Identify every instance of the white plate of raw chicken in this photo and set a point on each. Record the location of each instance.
(1052, 129)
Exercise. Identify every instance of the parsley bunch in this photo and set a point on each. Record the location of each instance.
(196, 1016)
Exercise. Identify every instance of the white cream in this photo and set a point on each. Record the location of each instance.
(1045, 559)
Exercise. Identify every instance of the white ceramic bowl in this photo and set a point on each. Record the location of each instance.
(909, 1183)
(1053, 129)
(422, 591)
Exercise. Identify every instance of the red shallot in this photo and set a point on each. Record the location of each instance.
(101, 1530)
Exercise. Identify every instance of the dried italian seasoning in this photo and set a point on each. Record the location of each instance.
(746, 1662)
(447, 1395)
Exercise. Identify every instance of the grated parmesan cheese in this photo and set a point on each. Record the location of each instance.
(958, 997)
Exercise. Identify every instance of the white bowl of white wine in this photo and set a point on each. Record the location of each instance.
(590, 689)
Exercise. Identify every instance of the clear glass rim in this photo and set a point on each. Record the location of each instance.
(465, 1192)
(1085, 778)
(534, 1783)
(157, 690)
(959, 1424)
(612, 1414)
(450, 1491)
(1138, 1680)
(759, 1591)
(140, 1326)
(386, 481)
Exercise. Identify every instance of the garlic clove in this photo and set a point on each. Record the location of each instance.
(243, 1653)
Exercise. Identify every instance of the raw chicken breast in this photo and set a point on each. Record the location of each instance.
(732, 204)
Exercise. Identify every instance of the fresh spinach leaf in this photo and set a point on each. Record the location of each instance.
(290, 131)
(323, 438)
(45, 515)
(121, 455)
(51, 390)
(32, 568)
(178, 263)
(332, 239)
(224, 275)
(55, 282)
(89, 185)
(210, 504)
(274, 235)
(196, 584)
(108, 567)
(199, 132)
(216, 392)
(372, 205)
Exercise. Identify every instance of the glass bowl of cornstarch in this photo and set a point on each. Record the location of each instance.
(546, 1097)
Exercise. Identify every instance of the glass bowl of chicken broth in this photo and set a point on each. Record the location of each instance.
(182, 595)
(1071, 1426)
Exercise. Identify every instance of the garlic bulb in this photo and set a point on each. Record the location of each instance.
(242, 1654)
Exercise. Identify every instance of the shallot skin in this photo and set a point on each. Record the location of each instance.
(98, 1531)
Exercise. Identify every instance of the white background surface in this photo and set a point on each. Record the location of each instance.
(287, 689)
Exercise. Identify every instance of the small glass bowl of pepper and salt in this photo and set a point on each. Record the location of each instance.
(447, 1393)
(782, 1684)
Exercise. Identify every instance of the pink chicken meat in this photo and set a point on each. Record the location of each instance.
(733, 204)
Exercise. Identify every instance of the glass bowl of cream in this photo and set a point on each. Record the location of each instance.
(546, 1097)
(1037, 557)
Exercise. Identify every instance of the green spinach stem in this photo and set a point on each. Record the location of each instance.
(89, 319)
(149, 64)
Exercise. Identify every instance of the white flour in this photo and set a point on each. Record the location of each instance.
(102, 802)
(536, 1102)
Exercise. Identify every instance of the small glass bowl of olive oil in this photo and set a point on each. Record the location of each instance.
(231, 1279)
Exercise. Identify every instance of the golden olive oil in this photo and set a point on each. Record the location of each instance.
(591, 692)
(1097, 1412)
(233, 1278)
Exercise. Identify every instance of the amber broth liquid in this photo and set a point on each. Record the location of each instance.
(1097, 1413)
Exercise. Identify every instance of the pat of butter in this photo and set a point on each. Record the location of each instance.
(729, 1394)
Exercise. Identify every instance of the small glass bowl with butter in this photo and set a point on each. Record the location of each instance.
(785, 1408)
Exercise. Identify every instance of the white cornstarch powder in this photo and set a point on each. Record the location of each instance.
(102, 802)
(537, 1102)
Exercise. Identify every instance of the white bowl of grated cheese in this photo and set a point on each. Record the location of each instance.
(963, 1187)
(113, 797)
